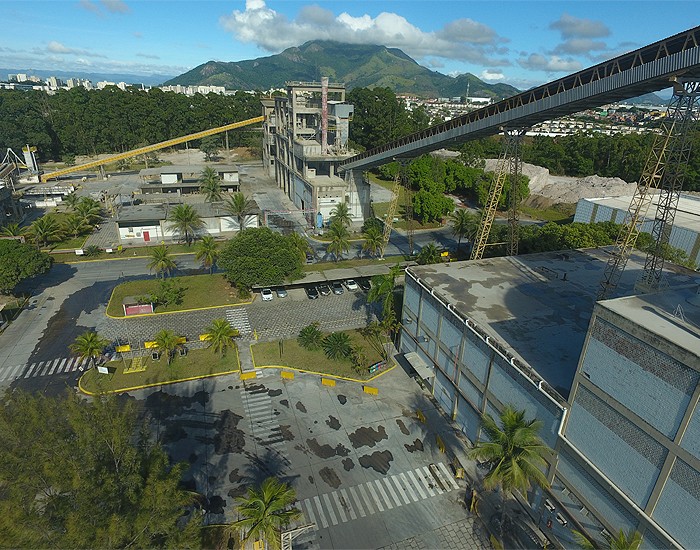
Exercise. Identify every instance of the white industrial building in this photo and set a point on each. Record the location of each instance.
(686, 227)
(186, 179)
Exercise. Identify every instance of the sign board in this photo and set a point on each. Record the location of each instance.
(80, 252)
(137, 309)
(102, 369)
(319, 220)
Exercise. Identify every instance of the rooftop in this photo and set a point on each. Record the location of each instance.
(191, 169)
(157, 212)
(537, 306)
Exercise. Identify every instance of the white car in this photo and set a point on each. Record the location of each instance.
(350, 284)
(266, 294)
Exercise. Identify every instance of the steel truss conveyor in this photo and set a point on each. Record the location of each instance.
(645, 70)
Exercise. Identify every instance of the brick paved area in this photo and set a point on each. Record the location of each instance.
(466, 534)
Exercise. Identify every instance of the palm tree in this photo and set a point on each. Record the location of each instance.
(211, 184)
(374, 241)
(631, 540)
(89, 210)
(265, 512)
(74, 224)
(429, 254)
(13, 230)
(336, 345)
(300, 243)
(185, 221)
(72, 200)
(207, 252)
(240, 206)
(89, 345)
(161, 261)
(341, 214)
(166, 341)
(220, 336)
(383, 290)
(45, 230)
(339, 240)
(515, 453)
(310, 337)
(464, 224)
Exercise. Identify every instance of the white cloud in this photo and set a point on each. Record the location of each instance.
(574, 27)
(463, 39)
(580, 46)
(59, 48)
(489, 75)
(553, 64)
(111, 6)
(147, 56)
(89, 6)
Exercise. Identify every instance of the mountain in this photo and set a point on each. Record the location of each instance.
(151, 80)
(354, 64)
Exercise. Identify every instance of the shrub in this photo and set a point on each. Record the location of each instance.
(337, 345)
(310, 337)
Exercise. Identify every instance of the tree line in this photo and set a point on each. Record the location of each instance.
(88, 122)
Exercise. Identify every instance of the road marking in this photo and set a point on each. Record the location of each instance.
(358, 501)
(448, 475)
(417, 485)
(329, 509)
(31, 368)
(72, 366)
(53, 369)
(368, 501)
(379, 485)
(63, 366)
(40, 371)
(340, 507)
(404, 487)
(13, 372)
(372, 492)
(390, 486)
(324, 521)
(426, 478)
(310, 512)
(348, 502)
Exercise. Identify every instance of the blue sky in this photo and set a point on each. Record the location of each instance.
(522, 43)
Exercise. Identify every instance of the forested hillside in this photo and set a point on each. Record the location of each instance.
(82, 122)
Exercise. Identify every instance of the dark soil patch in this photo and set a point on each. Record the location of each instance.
(417, 446)
(367, 437)
(300, 406)
(311, 479)
(164, 405)
(286, 433)
(379, 461)
(284, 402)
(215, 505)
(229, 438)
(402, 427)
(348, 464)
(342, 399)
(329, 476)
(274, 393)
(234, 477)
(173, 432)
(333, 422)
(326, 451)
(237, 491)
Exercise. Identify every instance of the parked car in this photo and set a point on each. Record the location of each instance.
(324, 289)
(281, 292)
(364, 284)
(337, 287)
(351, 284)
(266, 294)
(311, 292)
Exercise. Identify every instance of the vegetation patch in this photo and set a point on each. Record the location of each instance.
(560, 213)
(126, 252)
(197, 363)
(290, 353)
(199, 291)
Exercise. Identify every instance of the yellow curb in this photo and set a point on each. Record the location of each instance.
(316, 373)
(119, 259)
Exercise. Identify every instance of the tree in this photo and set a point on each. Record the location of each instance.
(85, 456)
(265, 512)
(382, 290)
(240, 206)
(168, 293)
(89, 210)
(310, 337)
(374, 241)
(161, 261)
(220, 336)
(464, 225)
(12, 230)
(373, 334)
(185, 221)
(336, 345)
(89, 346)
(210, 147)
(72, 200)
(75, 225)
(341, 214)
(300, 243)
(207, 252)
(210, 184)
(339, 240)
(166, 342)
(45, 230)
(19, 261)
(514, 452)
(260, 256)
(631, 540)
(429, 254)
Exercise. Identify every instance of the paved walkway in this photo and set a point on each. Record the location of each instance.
(107, 236)
(466, 534)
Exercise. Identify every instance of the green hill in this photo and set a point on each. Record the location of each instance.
(354, 64)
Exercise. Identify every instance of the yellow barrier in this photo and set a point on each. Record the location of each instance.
(204, 337)
(328, 382)
(248, 375)
(150, 345)
(420, 415)
(287, 375)
(440, 443)
(181, 340)
(122, 349)
(370, 390)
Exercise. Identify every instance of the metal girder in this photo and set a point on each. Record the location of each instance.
(516, 168)
(150, 148)
(389, 220)
(288, 536)
(652, 175)
(647, 69)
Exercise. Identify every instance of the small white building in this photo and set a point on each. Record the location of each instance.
(186, 179)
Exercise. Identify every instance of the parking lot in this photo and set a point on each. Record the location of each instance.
(359, 463)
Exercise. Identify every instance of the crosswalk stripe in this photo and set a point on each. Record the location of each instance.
(53, 368)
(358, 501)
(368, 501)
(40, 369)
(321, 515)
(400, 487)
(63, 366)
(341, 511)
(15, 371)
(72, 366)
(348, 502)
(425, 477)
(448, 475)
(31, 368)
(329, 509)
(417, 485)
(390, 487)
(409, 487)
(388, 503)
(310, 512)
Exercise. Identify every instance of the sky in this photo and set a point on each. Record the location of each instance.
(522, 43)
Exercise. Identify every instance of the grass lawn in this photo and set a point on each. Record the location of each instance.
(70, 243)
(126, 252)
(293, 355)
(202, 291)
(197, 363)
(561, 213)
